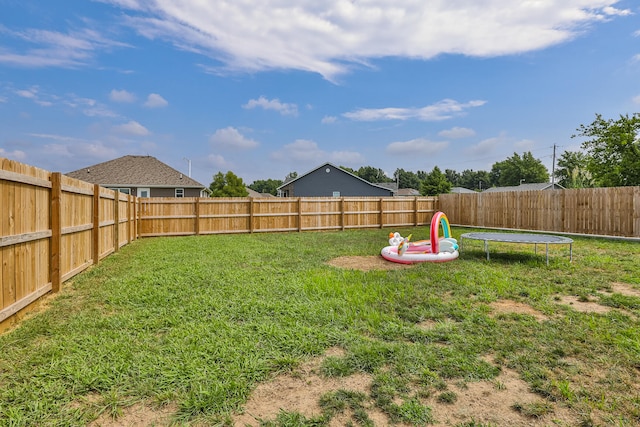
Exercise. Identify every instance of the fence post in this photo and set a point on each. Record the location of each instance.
(299, 214)
(56, 230)
(116, 218)
(96, 223)
(251, 209)
(342, 213)
(415, 211)
(197, 223)
(381, 213)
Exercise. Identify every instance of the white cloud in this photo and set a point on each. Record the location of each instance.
(121, 96)
(217, 161)
(18, 155)
(31, 93)
(155, 101)
(524, 145)
(457, 132)
(131, 128)
(306, 153)
(442, 110)
(416, 147)
(636, 99)
(230, 137)
(329, 119)
(272, 104)
(331, 36)
(486, 146)
(55, 49)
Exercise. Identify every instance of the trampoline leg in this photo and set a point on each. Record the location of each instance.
(547, 246)
(570, 252)
(486, 249)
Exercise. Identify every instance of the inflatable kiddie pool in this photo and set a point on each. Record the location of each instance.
(436, 249)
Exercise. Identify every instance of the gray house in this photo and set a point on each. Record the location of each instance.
(329, 180)
(142, 176)
(539, 186)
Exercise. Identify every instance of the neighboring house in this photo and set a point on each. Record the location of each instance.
(540, 186)
(142, 176)
(329, 180)
(461, 190)
(408, 192)
(255, 194)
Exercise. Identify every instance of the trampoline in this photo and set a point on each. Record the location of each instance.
(535, 239)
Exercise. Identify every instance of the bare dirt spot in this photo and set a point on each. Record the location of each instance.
(299, 391)
(138, 415)
(366, 263)
(624, 289)
(493, 402)
(583, 306)
(509, 306)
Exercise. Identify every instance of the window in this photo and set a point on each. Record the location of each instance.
(123, 190)
(179, 192)
(336, 194)
(144, 192)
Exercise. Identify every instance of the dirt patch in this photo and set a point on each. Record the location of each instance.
(583, 306)
(624, 289)
(366, 263)
(138, 415)
(494, 402)
(300, 391)
(509, 306)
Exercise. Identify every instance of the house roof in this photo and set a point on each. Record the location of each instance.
(461, 190)
(379, 185)
(525, 187)
(254, 193)
(134, 171)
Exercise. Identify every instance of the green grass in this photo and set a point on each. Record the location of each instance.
(200, 321)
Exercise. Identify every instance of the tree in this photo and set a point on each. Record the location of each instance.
(614, 150)
(374, 175)
(515, 170)
(475, 180)
(228, 185)
(435, 183)
(572, 170)
(407, 179)
(453, 177)
(269, 186)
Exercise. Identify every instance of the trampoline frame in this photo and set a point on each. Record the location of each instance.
(536, 239)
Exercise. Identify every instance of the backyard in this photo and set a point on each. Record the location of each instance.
(316, 329)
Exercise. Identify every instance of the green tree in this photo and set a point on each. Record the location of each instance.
(572, 170)
(374, 175)
(475, 180)
(435, 183)
(228, 185)
(454, 177)
(613, 147)
(516, 169)
(407, 179)
(269, 186)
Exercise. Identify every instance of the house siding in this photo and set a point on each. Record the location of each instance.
(321, 183)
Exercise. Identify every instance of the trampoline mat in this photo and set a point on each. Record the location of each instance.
(518, 238)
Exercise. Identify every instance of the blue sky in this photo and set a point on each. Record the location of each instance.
(264, 88)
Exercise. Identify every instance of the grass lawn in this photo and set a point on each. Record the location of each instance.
(196, 324)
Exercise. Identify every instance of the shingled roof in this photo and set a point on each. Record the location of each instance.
(539, 186)
(134, 171)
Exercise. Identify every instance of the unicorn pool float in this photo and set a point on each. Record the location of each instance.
(437, 249)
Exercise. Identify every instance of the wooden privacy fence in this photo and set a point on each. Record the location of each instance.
(187, 216)
(595, 211)
(52, 227)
